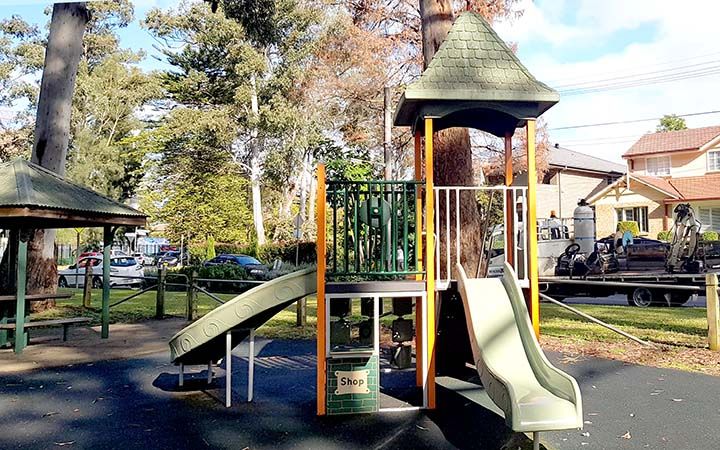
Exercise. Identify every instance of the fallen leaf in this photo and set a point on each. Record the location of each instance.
(627, 435)
(677, 399)
(421, 428)
(63, 444)
(585, 433)
(51, 413)
(588, 422)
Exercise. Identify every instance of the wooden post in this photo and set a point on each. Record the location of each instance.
(321, 313)
(107, 243)
(160, 296)
(418, 261)
(191, 308)
(531, 229)
(430, 260)
(87, 284)
(20, 333)
(713, 311)
(509, 203)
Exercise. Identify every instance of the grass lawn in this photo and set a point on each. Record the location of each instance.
(672, 326)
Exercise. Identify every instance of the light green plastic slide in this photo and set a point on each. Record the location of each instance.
(533, 395)
(204, 340)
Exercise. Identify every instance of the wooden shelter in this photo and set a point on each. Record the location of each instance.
(32, 197)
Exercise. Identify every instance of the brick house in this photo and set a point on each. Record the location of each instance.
(664, 169)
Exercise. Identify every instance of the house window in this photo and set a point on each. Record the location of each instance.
(713, 160)
(709, 218)
(659, 165)
(638, 214)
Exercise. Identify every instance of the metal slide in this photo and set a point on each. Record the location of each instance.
(204, 340)
(533, 395)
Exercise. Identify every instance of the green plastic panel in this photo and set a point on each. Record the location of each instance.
(204, 340)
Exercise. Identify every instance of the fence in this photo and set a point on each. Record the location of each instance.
(374, 228)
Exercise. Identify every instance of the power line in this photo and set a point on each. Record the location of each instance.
(621, 122)
(634, 75)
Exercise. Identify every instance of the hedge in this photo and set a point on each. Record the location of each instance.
(665, 236)
(710, 236)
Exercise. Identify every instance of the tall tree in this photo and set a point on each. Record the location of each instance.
(52, 128)
(671, 122)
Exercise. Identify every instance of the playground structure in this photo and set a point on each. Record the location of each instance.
(384, 242)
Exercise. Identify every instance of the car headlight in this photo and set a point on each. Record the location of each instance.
(256, 272)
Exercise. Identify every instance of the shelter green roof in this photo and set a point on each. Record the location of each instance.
(34, 197)
(474, 80)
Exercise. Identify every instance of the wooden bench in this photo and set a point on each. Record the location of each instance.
(65, 323)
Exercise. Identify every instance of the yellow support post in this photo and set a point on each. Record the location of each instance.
(532, 259)
(713, 311)
(509, 203)
(321, 313)
(430, 260)
(418, 261)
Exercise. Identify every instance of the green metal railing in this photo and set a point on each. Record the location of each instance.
(372, 229)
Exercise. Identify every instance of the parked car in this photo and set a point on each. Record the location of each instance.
(120, 267)
(171, 258)
(250, 264)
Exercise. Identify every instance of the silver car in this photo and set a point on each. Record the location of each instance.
(123, 270)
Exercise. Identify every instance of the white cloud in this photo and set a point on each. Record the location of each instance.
(682, 33)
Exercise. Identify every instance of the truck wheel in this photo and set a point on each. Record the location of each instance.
(62, 282)
(679, 298)
(97, 283)
(641, 297)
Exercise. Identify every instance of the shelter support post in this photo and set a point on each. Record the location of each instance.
(21, 273)
(419, 375)
(532, 238)
(430, 262)
(107, 243)
(321, 313)
(713, 311)
(509, 202)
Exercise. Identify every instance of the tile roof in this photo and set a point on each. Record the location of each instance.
(28, 185)
(673, 141)
(473, 63)
(564, 157)
(659, 183)
(698, 188)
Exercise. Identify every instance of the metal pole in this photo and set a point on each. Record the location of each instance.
(210, 372)
(251, 365)
(77, 258)
(536, 440)
(387, 141)
(228, 369)
(107, 242)
(597, 321)
(20, 334)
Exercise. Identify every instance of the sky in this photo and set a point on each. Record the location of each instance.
(576, 44)
(638, 42)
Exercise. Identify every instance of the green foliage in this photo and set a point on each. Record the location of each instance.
(710, 236)
(223, 272)
(285, 251)
(665, 236)
(630, 226)
(210, 248)
(671, 122)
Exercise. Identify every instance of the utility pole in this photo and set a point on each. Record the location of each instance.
(387, 141)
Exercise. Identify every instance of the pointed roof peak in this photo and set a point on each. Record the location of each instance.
(474, 70)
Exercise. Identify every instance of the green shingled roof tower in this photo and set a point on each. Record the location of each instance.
(474, 80)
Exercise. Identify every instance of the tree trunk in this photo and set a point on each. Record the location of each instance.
(452, 164)
(256, 170)
(52, 130)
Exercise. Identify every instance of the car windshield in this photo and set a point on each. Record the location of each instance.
(244, 260)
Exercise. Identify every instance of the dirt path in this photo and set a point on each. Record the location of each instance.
(84, 345)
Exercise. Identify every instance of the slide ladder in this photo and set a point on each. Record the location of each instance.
(534, 395)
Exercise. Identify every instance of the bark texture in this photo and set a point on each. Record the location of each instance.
(52, 130)
(452, 163)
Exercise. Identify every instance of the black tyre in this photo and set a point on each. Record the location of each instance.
(97, 283)
(62, 282)
(641, 297)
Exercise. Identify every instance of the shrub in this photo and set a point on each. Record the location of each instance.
(630, 226)
(710, 236)
(665, 236)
